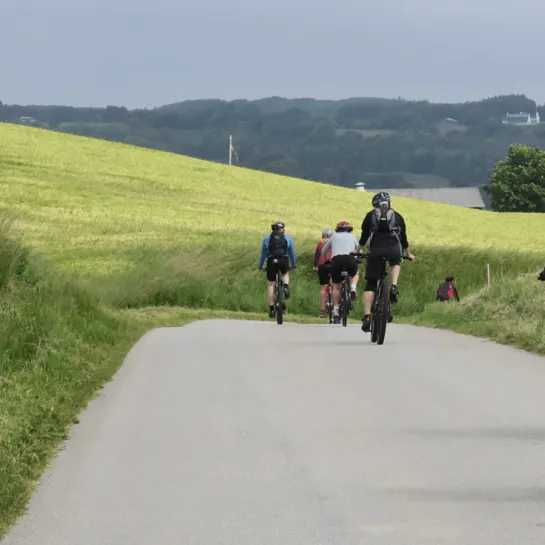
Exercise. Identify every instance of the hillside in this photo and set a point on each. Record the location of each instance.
(384, 142)
(146, 227)
(132, 239)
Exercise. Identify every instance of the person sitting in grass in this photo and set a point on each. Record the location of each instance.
(447, 290)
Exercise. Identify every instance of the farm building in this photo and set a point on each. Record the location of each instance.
(468, 197)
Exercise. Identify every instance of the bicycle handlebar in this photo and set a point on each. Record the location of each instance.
(385, 258)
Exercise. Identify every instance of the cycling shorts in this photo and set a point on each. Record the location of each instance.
(340, 263)
(324, 274)
(282, 264)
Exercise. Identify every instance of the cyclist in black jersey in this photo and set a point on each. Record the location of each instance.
(383, 229)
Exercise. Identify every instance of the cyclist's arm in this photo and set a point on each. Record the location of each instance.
(403, 232)
(317, 255)
(365, 230)
(263, 253)
(291, 250)
(325, 249)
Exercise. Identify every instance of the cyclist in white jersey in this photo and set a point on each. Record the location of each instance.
(343, 243)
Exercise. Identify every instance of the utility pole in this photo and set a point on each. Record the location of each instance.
(230, 149)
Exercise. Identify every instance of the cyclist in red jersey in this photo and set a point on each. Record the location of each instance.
(324, 269)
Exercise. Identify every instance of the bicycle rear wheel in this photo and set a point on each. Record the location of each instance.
(384, 311)
(279, 301)
(345, 303)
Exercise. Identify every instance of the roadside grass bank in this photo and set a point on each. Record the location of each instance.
(511, 312)
(58, 346)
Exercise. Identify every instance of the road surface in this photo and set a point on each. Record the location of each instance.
(244, 433)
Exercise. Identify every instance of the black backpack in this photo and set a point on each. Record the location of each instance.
(278, 245)
(384, 221)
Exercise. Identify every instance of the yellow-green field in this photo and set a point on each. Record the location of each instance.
(146, 227)
(84, 202)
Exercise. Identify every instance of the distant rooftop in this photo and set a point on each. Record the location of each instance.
(468, 197)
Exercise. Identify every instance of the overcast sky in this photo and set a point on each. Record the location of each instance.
(145, 53)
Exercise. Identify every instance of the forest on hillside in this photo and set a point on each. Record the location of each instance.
(383, 142)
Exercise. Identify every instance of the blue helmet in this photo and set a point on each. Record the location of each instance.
(328, 233)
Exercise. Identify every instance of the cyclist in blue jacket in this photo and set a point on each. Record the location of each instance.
(277, 246)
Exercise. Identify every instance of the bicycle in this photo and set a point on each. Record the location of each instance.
(345, 301)
(381, 310)
(279, 304)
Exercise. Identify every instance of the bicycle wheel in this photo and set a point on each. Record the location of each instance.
(279, 301)
(384, 311)
(346, 303)
(330, 307)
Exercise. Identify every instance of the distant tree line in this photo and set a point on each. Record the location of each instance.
(384, 142)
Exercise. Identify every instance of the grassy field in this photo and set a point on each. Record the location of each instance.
(143, 227)
(131, 239)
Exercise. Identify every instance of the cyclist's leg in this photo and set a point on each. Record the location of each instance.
(271, 280)
(284, 268)
(369, 295)
(323, 279)
(373, 272)
(395, 268)
(336, 279)
(353, 271)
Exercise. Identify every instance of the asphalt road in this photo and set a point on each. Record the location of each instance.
(245, 433)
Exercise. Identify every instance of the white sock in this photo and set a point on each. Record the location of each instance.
(336, 308)
(353, 287)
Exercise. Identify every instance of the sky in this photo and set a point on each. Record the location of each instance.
(147, 53)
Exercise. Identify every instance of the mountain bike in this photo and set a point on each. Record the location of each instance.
(345, 301)
(279, 304)
(381, 313)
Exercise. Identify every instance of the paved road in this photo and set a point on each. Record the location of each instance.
(244, 433)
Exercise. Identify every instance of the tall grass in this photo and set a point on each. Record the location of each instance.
(57, 345)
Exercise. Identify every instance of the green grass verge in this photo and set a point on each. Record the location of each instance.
(510, 312)
(58, 346)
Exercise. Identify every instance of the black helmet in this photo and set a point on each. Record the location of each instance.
(449, 278)
(278, 225)
(381, 199)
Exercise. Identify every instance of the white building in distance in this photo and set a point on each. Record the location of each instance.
(521, 118)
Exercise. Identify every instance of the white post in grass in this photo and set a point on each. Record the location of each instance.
(230, 149)
(488, 273)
